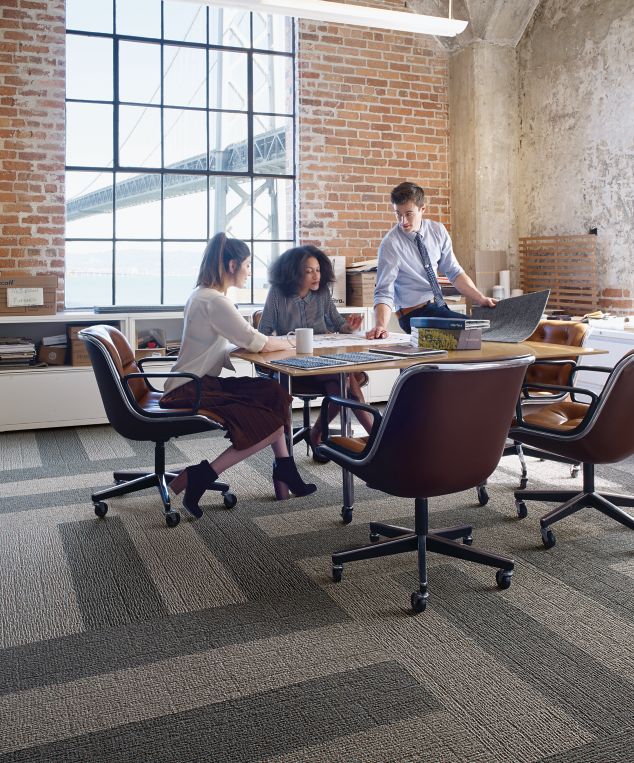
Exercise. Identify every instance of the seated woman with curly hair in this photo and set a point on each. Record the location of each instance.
(300, 297)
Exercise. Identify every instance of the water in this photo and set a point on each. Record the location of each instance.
(88, 291)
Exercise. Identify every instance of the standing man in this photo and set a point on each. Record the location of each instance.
(409, 257)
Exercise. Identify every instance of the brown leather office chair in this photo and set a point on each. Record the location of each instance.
(132, 408)
(443, 431)
(549, 372)
(597, 432)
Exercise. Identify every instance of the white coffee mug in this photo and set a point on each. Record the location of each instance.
(301, 340)
(517, 292)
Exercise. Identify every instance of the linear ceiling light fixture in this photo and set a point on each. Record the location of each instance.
(321, 10)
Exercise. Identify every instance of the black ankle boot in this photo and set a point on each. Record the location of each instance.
(195, 480)
(286, 477)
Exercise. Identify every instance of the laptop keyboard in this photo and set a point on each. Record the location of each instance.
(311, 361)
(356, 357)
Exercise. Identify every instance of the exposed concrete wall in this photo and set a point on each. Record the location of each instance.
(484, 127)
(576, 164)
(463, 157)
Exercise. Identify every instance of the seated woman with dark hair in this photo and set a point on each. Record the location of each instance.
(300, 297)
(254, 411)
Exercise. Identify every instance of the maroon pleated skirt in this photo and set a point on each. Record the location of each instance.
(250, 409)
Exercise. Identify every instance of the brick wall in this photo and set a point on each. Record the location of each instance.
(373, 111)
(617, 301)
(32, 137)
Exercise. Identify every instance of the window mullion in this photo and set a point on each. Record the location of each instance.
(172, 216)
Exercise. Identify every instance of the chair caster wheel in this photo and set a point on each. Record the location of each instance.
(483, 496)
(101, 508)
(346, 515)
(374, 537)
(523, 483)
(172, 518)
(419, 601)
(520, 507)
(337, 572)
(503, 578)
(230, 500)
(548, 538)
(467, 540)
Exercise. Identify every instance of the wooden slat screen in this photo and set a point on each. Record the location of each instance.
(564, 264)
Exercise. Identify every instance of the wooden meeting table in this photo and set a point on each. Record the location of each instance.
(489, 352)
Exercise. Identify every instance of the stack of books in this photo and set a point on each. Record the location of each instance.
(16, 351)
(448, 333)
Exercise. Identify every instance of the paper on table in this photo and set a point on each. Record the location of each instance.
(348, 340)
(358, 338)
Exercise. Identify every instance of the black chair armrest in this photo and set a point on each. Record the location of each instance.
(526, 386)
(561, 388)
(594, 400)
(601, 369)
(264, 373)
(353, 405)
(156, 359)
(556, 363)
(166, 375)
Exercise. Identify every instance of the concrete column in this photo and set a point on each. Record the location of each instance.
(484, 145)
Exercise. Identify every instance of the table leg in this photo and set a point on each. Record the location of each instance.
(347, 476)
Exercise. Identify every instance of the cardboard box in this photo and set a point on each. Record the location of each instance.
(23, 294)
(447, 339)
(73, 331)
(360, 289)
(53, 355)
(79, 353)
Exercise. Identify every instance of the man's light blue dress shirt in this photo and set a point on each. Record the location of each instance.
(400, 279)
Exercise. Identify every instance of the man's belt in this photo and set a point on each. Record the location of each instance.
(407, 310)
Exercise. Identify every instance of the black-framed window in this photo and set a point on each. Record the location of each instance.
(180, 122)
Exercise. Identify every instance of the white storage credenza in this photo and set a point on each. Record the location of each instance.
(62, 396)
(617, 342)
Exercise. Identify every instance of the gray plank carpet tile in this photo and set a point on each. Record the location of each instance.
(225, 639)
(254, 727)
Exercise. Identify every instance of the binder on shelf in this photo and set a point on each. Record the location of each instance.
(449, 323)
(57, 340)
(447, 339)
